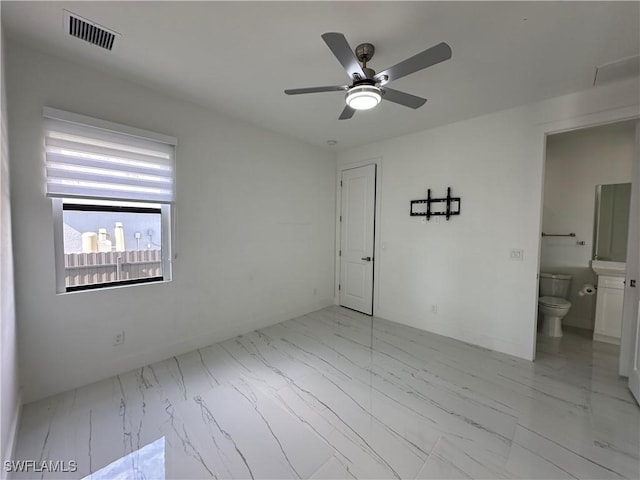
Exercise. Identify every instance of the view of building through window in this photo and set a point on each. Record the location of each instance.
(93, 232)
(111, 242)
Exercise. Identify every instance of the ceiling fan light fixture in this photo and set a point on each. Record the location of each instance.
(363, 97)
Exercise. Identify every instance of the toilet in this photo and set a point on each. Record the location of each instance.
(553, 304)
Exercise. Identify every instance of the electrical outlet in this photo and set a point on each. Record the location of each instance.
(434, 308)
(118, 339)
(516, 254)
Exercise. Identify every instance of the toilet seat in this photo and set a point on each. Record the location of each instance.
(554, 302)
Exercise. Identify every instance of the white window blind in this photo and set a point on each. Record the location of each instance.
(91, 158)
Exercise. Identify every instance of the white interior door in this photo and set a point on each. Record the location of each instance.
(631, 311)
(356, 238)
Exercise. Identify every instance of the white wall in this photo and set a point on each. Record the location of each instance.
(495, 163)
(575, 163)
(9, 390)
(254, 243)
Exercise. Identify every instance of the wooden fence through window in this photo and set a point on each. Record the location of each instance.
(103, 267)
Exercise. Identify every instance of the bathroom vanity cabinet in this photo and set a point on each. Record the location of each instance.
(608, 326)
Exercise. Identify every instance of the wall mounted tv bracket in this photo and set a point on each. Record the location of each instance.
(447, 206)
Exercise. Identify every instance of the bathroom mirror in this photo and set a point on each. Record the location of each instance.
(611, 222)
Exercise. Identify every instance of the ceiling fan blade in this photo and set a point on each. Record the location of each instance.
(403, 98)
(430, 56)
(338, 44)
(333, 88)
(347, 113)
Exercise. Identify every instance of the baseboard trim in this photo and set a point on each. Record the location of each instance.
(597, 337)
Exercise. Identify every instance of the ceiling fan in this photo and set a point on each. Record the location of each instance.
(368, 88)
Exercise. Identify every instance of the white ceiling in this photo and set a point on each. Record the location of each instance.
(504, 54)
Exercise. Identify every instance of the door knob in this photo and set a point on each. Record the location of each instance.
(366, 259)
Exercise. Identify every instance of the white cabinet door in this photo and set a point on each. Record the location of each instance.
(608, 325)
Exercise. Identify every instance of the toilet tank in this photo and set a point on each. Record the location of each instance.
(554, 285)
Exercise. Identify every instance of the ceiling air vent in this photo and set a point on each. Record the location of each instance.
(89, 31)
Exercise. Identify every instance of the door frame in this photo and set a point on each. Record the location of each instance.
(566, 125)
(377, 161)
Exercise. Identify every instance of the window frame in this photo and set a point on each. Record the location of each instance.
(58, 230)
(58, 205)
(136, 139)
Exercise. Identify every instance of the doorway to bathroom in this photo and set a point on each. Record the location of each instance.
(588, 179)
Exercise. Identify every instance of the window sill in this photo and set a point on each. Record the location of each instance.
(112, 286)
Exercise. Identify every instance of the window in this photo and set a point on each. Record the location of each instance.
(112, 189)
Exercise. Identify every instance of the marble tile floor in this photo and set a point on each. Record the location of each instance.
(336, 394)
